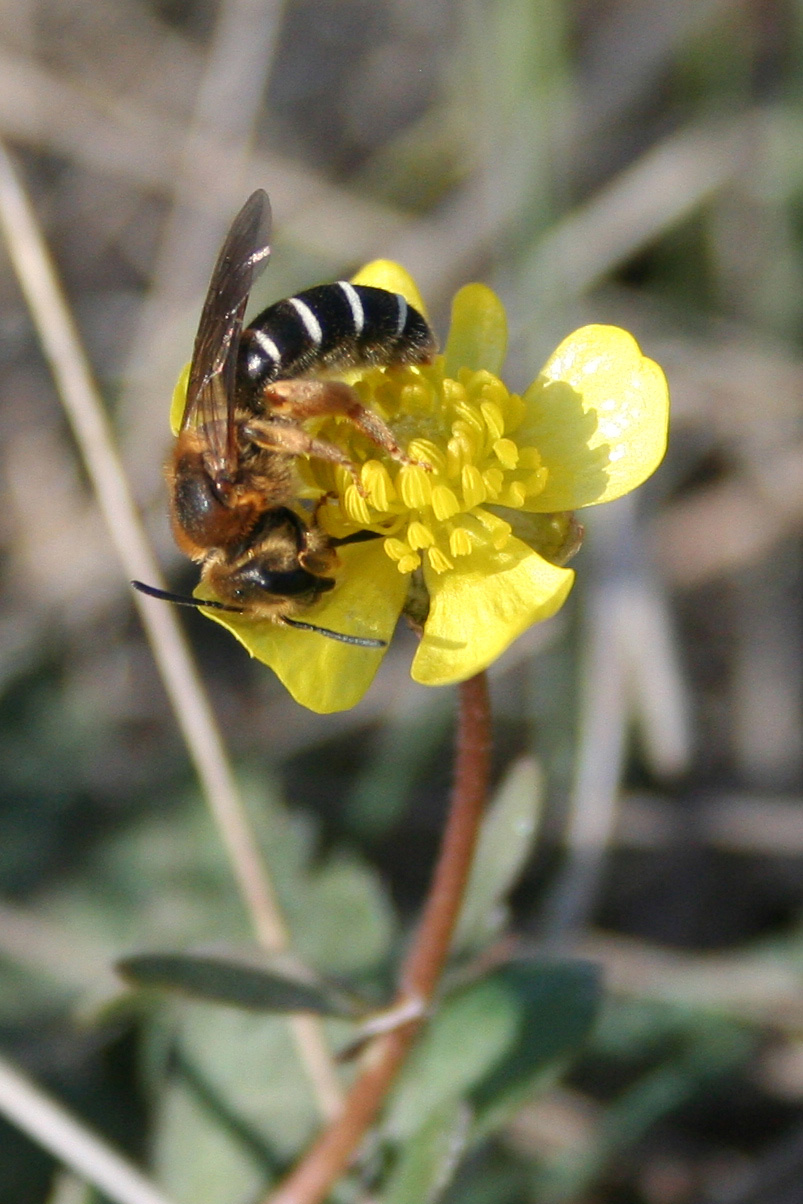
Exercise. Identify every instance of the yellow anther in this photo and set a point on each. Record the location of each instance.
(444, 503)
(415, 486)
(356, 506)
(474, 490)
(409, 563)
(396, 549)
(468, 435)
(419, 536)
(376, 479)
(416, 397)
(343, 479)
(460, 542)
(427, 452)
(439, 561)
(494, 419)
(457, 454)
(478, 381)
(471, 438)
(529, 457)
(494, 479)
(506, 452)
(470, 415)
(515, 495)
(453, 392)
(495, 390)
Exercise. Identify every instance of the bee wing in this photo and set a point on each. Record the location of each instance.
(210, 391)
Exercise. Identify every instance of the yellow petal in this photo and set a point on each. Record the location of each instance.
(323, 674)
(384, 273)
(598, 414)
(179, 401)
(481, 606)
(478, 333)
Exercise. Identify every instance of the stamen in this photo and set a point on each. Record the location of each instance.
(376, 480)
(460, 542)
(415, 486)
(494, 479)
(356, 506)
(439, 561)
(417, 397)
(444, 503)
(487, 387)
(474, 489)
(458, 453)
(343, 479)
(419, 536)
(469, 459)
(494, 419)
(427, 452)
(506, 453)
(469, 415)
(479, 382)
(396, 549)
(453, 392)
(472, 435)
(515, 495)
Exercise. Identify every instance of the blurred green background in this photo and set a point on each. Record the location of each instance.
(634, 162)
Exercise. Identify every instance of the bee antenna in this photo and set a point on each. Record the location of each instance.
(198, 603)
(359, 640)
(183, 599)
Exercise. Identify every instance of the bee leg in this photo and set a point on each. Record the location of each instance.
(282, 435)
(303, 399)
(316, 551)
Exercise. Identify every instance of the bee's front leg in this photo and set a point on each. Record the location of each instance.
(284, 435)
(301, 399)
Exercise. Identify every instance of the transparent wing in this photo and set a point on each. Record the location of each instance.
(210, 392)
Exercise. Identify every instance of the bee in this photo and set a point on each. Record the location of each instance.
(232, 480)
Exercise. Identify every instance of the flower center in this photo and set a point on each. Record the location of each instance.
(460, 433)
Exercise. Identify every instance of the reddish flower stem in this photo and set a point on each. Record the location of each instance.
(330, 1155)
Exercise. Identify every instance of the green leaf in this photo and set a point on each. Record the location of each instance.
(342, 919)
(245, 978)
(557, 1003)
(469, 1035)
(236, 1103)
(495, 1042)
(428, 1160)
(505, 843)
(197, 1160)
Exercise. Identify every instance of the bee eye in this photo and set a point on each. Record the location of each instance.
(256, 578)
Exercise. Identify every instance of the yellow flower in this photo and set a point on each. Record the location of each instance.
(470, 545)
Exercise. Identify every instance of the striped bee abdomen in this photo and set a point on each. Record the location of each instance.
(332, 326)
